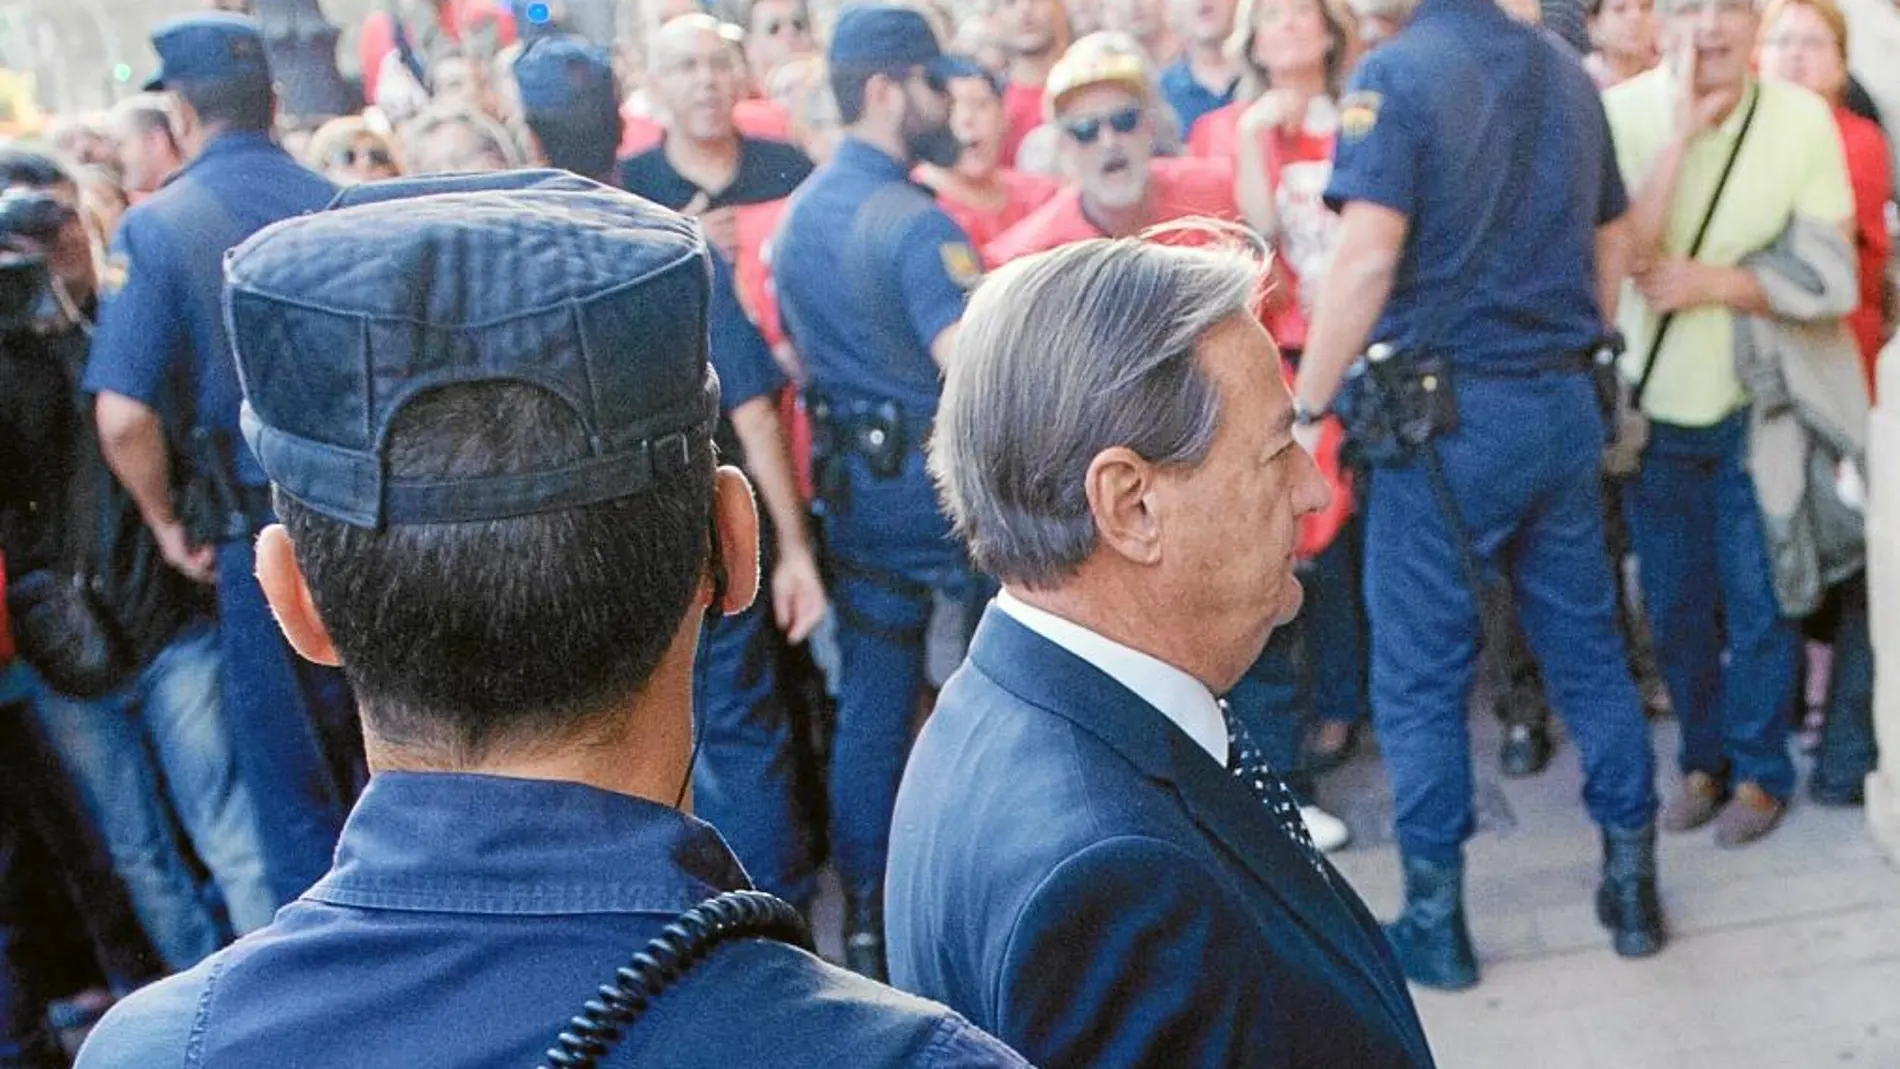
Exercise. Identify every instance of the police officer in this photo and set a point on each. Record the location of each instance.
(167, 410)
(871, 279)
(1481, 212)
(570, 104)
(507, 524)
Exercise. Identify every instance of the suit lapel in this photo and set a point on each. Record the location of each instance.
(1057, 681)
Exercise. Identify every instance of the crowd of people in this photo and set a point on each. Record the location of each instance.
(173, 772)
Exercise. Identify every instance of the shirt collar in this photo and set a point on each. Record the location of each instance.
(226, 144)
(1180, 697)
(461, 843)
(863, 156)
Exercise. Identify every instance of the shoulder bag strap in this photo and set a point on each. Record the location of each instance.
(1695, 247)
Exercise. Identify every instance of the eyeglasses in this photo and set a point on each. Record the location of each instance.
(351, 157)
(1696, 8)
(1085, 131)
(1801, 42)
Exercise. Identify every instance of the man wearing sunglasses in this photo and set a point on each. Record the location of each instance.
(871, 281)
(1102, 101)
(776, 31)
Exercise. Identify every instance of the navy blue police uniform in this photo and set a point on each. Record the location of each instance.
(468, 918)
(870, 272)
(1514, 307)
(161, 341)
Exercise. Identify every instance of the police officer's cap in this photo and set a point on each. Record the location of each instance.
(215, 47)
(340, 318)
(563, 77)
(889, 37)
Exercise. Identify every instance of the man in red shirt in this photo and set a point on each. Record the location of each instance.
(984, 197)
(1034, 33)
(1100, 99)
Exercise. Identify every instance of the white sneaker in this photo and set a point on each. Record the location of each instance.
(1329, 833)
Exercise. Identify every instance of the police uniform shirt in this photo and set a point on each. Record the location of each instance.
(767, 170)
(468, 917)
(739, 354)
(1420, 131)
(160, 321)
(844, 331)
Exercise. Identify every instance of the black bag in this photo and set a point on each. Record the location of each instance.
(65, 634)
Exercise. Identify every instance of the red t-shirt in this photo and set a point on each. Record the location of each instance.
(1022, 108)
(377, 37)
(1179, 188)
(1022, 194)
(757, 224)
(1870, 172)
(1216, 135)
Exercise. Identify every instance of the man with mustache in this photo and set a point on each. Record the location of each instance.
(871, 282)
(1100, 99)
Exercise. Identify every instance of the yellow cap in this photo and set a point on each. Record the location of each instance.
(1104, 58)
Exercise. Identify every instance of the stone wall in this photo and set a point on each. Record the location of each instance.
(1883, 592)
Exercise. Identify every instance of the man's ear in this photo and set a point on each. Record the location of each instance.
(1122, 500)
(736, 528)
(289, 597)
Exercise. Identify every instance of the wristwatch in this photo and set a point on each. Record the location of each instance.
(1305, 415)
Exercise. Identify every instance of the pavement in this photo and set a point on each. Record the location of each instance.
(1783, 955)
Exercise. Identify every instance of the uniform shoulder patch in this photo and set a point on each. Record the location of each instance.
(1359, 113)
(961, 263)
(113, 273)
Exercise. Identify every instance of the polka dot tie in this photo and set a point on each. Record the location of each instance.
(1252, 770)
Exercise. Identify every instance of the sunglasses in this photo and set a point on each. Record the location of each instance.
(374, 157)
(1085, 131)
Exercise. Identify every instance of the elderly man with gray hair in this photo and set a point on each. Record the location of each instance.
(1089, 857)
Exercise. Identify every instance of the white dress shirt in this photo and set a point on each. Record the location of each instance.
(1179, 696)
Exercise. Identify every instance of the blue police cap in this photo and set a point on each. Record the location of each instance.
(887, 36)
(215, 47)
(566, 77)
(340, 318)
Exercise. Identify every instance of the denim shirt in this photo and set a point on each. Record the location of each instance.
(468, 917)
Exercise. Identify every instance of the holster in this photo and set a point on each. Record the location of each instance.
(1394, 402)
(876, 431)
(213, 506)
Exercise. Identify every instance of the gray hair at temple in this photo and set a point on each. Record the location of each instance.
(1061, 356)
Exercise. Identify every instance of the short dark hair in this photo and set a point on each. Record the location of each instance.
(34, 170)
(585, 147)
(848, 81)
(460, 637)
(149, 118)
(230, 104)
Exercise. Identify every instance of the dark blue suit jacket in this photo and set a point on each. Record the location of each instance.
(1074, 874)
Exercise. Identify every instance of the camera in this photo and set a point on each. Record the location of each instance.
(30, 221)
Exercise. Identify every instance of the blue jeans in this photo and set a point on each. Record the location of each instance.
(1849, 750)
(1523, 469)
(888, 549)
(268, 713)
(156, 756)
(1697, 531)
(1313, 666)
(745, 782)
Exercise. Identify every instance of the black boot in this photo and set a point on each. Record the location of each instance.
(1526, 750)
(1627, 903)
(864, 937)
(1430, 939)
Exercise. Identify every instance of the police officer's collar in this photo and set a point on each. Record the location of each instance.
(452, 842)
(224, 144)
(861, 155)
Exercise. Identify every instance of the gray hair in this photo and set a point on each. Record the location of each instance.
(1061, 356)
